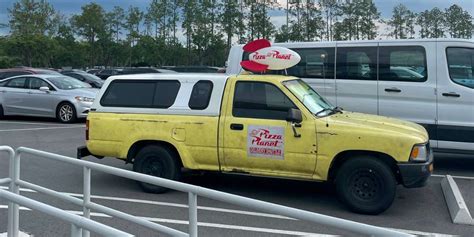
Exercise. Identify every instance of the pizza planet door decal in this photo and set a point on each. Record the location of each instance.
(266, 142)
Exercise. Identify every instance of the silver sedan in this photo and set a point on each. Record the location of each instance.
(57, 96)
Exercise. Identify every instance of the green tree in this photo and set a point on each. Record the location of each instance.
(115, 19)
(359, 17)
(458, 22)
(32, 24)
(231, 20)
(432, 23)
(91, 24)
(189, 20)
(402, 22)
(133, 20)
(330, 9)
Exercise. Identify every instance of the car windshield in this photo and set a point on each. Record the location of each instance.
(67, 83)
(93, 78)
(309, 97)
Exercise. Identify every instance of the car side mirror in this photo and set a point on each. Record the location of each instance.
(295, 118)
(44, 88)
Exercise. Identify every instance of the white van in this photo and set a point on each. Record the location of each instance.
(430, 82)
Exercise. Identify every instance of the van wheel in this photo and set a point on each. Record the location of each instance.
(366, 185)
(156, 161)
(2, 114)
(66, 113)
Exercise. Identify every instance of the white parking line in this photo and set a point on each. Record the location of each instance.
(454, 176)
(35, 129)
(29, 123)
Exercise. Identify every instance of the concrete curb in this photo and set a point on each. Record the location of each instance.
(456, 205)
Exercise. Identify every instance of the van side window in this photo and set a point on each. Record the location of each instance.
(260, 100)
(315, 63)
(140, 94)
(402, 63)
(201, 95)
(461, 65)
(357, 63)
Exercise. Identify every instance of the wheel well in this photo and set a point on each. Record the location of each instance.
(346, 155)
(63, 102)
(137, 146)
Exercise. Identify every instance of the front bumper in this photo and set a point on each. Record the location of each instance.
(415, 175)
(83, 109)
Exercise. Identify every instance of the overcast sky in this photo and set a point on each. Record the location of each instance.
(70, 7)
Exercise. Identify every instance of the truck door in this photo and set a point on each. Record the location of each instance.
(455, 96)
(257, 139)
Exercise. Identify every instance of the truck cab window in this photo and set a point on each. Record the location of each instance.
(260, 100)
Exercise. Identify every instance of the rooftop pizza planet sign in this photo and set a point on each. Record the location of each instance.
(265, 57)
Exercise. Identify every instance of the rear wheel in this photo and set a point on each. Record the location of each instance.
(66, 113)
(156, 161)
(366, 185)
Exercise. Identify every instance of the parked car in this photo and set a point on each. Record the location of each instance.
(58, 96)
(143, 70)
(93, 71)
(428, 81)
(258, 125)
(90, 79)
(6, 73)
(106, 73)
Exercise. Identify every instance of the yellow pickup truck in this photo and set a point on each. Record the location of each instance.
(262, 125)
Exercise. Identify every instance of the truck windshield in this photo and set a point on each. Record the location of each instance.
(309, 97)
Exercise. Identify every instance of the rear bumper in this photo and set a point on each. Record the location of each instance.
(82, 151)
(415, 175)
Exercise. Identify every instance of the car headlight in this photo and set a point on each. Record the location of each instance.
(419, 153)
(84, 99)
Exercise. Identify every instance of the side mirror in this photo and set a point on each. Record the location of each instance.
(44, 88)
(294, 116)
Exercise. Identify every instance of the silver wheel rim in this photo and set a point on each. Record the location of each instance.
(66, 112)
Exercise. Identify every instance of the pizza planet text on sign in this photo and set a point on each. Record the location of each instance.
(266, 142)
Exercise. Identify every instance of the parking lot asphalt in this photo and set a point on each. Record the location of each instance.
(419, 211)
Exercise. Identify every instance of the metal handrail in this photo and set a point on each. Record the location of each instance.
(75, 220)
(192, 190)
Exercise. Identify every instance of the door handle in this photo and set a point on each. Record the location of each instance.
(393, 89)
(451, 94)
(237, 126)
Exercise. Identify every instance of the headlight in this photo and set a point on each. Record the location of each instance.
(419, 153)
(84, 99)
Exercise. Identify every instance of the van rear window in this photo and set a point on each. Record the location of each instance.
(141, 93)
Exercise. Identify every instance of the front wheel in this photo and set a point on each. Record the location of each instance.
(366, 185)
(156, 161)
(66, 113)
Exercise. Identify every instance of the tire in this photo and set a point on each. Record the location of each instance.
(157, 161)
(366, 185)
(66, 113)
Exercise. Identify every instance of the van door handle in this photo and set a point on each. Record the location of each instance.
(237, 126)
(393, 89)
(451, 94)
